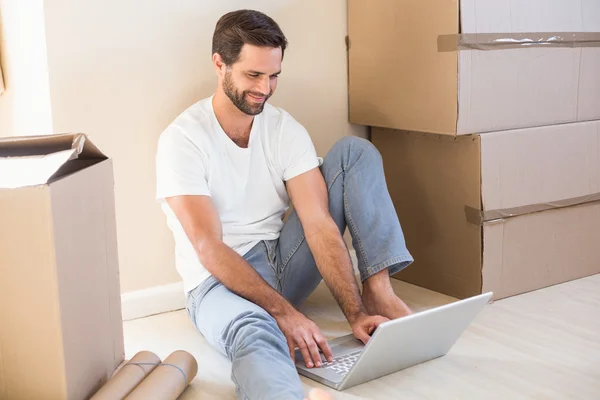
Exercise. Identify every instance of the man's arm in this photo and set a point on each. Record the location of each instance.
(309, 196)
(200, 221)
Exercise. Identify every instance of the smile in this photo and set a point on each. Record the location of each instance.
(257, 99)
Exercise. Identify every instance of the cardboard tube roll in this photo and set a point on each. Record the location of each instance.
(169, 379)
(128, 377)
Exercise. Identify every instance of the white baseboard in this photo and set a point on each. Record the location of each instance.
(165, 298)
(153, 300)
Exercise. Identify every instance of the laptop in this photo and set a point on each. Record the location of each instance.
(395, 344)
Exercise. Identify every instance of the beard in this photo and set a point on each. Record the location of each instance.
(238, 98)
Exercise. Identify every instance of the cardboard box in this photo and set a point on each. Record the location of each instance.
(429, 65)
(509, 212)
(61, 332)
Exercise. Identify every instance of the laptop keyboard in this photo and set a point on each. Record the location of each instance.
(341, 365)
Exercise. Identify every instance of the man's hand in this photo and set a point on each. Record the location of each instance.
(364, 325)
(304, 333)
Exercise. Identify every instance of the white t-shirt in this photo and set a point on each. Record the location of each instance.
(196, 157)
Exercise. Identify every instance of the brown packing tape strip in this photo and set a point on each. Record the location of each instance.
(128, 377)
(523, 40)
(169, 379)
(481, 217)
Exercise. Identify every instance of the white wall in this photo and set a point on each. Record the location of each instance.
(25, 104)
(121, 70)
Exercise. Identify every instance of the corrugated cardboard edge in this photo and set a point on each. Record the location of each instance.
(482, 217)
(86, 148)
(522, 40)
(32, 138)
(79, 141)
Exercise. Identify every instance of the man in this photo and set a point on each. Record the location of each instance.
(225, 169)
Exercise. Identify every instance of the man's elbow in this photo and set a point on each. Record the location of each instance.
(207, 249)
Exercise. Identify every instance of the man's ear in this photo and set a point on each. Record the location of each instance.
(219, 65)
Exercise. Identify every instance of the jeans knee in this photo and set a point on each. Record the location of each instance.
(353, 142)
(253, 329)
(351, 148)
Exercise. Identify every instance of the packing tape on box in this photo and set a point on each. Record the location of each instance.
(498, 41)
(482, 217)
(168, 380)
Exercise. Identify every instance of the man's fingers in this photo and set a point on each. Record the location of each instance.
(305, 353)
(376, 323)
(314, 351)
(324, 346)
(364, 338)
(362, 335)
(291, 348)
(372, 328)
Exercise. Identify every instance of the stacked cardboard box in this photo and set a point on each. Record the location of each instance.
(486, 114)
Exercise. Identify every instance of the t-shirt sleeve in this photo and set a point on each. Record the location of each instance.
(180, 166)
(296, 150)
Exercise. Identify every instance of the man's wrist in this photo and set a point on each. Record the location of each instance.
(352, 317)
(282, 309)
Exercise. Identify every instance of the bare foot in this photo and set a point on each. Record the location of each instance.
(318, 394)
(385, 303)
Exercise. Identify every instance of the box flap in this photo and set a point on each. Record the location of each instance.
(38, 160)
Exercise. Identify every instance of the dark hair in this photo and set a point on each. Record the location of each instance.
(241, 27)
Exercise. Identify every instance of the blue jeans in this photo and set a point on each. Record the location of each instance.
(246, 333)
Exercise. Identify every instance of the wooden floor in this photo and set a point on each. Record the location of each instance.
(540, 345)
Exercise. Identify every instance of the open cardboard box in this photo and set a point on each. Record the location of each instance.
(469, 66)
(508, 212)
(61, 332)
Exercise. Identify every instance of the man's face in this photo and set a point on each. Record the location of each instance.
(251, 80)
